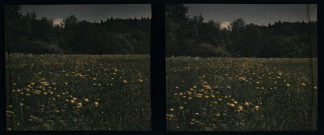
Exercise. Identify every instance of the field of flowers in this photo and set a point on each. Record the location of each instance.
(241, 94)
(78, 92)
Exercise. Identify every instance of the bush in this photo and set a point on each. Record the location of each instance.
(208, 50)
(40, 47)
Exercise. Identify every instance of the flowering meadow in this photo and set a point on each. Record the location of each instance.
(78, 92)
(241, 94)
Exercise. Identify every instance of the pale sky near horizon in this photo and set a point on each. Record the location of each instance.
(260, 14)
(89, 12)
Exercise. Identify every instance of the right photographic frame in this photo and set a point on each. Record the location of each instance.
(241, 67)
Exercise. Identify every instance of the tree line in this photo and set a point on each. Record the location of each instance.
(193, 36)
(185, 36)
(25, 33)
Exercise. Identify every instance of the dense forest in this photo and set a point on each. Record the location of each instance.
(25, 33)
(187, 36)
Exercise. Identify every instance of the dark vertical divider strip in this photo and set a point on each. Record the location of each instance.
(320, 30)
(158, 93)
(3, 71)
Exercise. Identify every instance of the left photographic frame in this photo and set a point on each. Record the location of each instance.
(78, 67)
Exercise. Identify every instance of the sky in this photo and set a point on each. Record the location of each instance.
(89, 12)
(260, 14)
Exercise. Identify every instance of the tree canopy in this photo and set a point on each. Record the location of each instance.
(29, 34)
(185, 36)
(196, 37)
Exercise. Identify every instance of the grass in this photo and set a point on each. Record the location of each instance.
(241, 94)
(78, 92)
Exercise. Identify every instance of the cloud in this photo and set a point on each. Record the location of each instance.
(57, 21)
(225, 24)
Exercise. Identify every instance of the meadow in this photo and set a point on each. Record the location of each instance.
(241, 94)
(78, 92)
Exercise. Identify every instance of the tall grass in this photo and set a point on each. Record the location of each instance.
(241, 94)
(78, 92)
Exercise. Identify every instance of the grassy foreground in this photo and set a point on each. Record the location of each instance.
(78, 92)
(241, 94)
